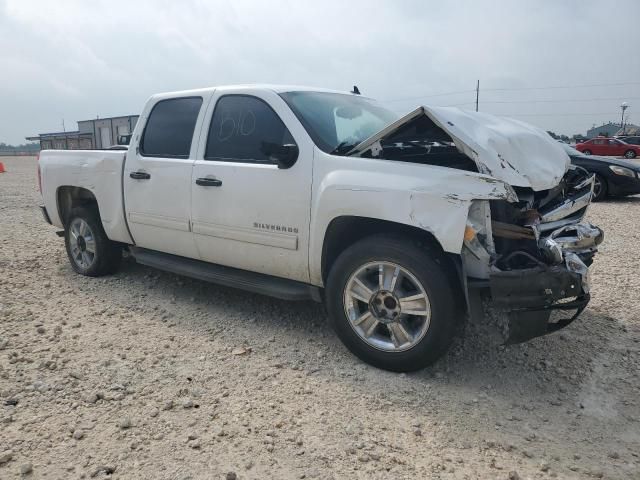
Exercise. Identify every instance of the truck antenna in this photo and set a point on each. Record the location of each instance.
(355, 90)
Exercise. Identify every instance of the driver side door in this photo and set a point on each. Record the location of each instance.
(247, 212)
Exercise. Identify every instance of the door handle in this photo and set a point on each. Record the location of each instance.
(140, 175)
(209, 182)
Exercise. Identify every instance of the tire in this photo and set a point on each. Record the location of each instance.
(630, 154)
(587, 152)
(599, 188)
(352, 317)
(83, 233)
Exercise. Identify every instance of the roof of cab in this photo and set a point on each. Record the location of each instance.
(257, 86)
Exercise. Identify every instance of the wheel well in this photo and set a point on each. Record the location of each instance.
(343, 232)
(72, 197)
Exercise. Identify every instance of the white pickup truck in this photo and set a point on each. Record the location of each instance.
(404, 227)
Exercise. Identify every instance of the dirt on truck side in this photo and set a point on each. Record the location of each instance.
(146, 374)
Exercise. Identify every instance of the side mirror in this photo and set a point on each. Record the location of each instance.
(284, 155)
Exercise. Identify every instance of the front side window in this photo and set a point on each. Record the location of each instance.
(245, 128)
(170, 127)
(337, 121)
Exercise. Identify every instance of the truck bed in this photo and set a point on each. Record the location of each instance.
(99, 172)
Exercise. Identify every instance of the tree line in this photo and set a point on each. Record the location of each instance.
(25, 147)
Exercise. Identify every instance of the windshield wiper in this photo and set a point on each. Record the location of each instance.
(343, 147)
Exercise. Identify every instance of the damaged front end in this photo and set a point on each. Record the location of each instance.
(534, 254)
(528, 251)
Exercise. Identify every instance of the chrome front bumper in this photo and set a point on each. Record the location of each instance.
(529, 295)
(571, 244)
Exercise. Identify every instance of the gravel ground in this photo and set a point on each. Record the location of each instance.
(148, 375)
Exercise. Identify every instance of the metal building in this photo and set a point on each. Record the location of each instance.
(604, 130)
(91, 134)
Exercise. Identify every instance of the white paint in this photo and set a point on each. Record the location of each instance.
(161, 204)
(98, 171)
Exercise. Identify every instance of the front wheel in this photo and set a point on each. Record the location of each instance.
(90, 251)
(630, 154)
(391, 303)
(587, 152)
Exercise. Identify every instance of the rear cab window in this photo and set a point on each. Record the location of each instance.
(169, 130)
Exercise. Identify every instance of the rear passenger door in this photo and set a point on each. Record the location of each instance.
(246, 212)
(157, 175)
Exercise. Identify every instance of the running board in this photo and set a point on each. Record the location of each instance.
(231, 277)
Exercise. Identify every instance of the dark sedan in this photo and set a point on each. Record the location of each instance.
(614, 177)
(632, 140)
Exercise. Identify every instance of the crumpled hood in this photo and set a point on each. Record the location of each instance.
(509, 150)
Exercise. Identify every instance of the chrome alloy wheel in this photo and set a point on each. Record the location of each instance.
(387, 306)
(82, 242)
(597, 187)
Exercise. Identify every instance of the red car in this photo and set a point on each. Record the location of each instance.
(609, 147)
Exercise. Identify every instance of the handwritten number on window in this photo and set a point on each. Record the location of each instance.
(232, 124)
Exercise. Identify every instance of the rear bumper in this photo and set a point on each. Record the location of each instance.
(45, 214)
(529, 296)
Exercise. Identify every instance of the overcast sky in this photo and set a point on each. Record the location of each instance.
(75, 60)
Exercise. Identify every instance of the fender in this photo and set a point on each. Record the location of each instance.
(432, 198)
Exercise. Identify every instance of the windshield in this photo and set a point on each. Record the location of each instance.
(337, 122)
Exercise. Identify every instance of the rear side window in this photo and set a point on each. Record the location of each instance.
(170, 127)
(246, 129)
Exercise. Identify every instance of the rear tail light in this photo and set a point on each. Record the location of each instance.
(39, 174)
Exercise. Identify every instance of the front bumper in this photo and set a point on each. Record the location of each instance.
(45, 214)
(529, 296)
(560, 282)
(623, 185)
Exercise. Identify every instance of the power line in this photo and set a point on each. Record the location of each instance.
(553, 114)
(510, 89)
(563, 86)
(562, 101)
(531, 114)
(428, 96)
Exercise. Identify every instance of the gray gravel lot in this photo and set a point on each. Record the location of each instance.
(148, 375)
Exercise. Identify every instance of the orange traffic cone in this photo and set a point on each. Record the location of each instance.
(2, 170)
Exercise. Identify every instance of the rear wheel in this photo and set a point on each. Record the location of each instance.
(599, 188)
(90, 251)
(391, 303)
(587, 152)
(630, 154)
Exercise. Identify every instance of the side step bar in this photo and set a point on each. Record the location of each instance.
(231, 277)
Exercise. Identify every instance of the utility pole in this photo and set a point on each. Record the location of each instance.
(63, 129)
(477, 93)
